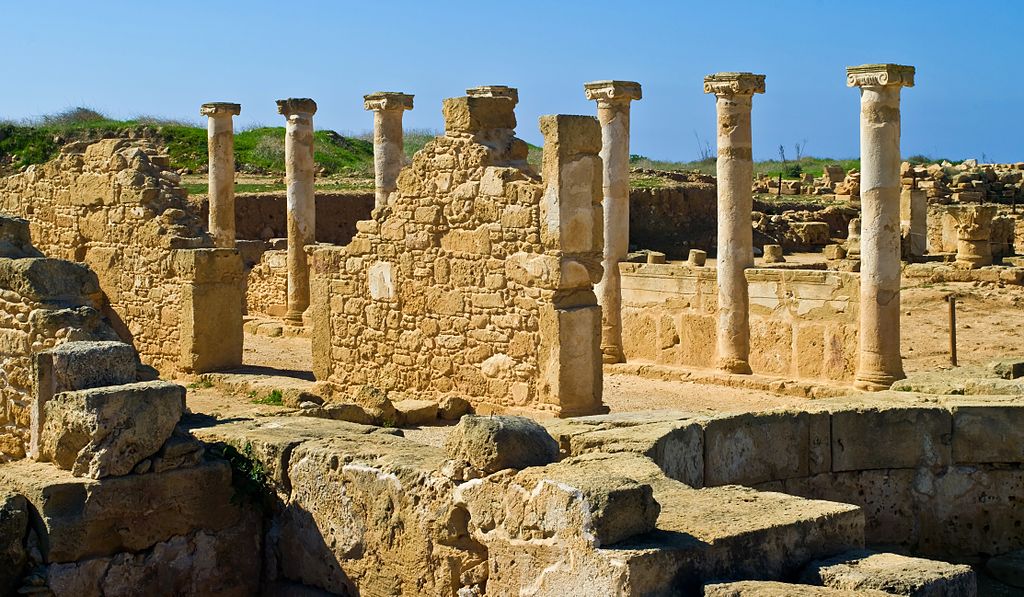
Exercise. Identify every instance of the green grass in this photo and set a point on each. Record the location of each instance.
(274, 398)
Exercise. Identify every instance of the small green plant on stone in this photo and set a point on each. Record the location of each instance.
(248, 477)
(202, 383)
(274, 398)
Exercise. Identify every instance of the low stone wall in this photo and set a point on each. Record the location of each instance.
(803, 324)
(262, 216)
(673, 219)
(266, 292)
(113, 206)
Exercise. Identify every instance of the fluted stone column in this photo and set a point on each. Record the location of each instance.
(220, 136)
(388, 151)
(613, 98)
(880, 362)
(301, 214)
(734, 93)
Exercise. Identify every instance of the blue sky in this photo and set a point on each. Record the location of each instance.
(166, 58)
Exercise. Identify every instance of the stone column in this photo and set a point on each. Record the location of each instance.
(973, 234)
(734, 93)
(220, 137)
(613, 98)
(298, 158)
(880, 362)
(388, 151)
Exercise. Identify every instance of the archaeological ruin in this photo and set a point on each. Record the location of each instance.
(504, 372)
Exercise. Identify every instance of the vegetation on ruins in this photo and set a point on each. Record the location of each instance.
(248, 476)
(274, 398)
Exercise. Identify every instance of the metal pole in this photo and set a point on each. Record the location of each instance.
(952, 329)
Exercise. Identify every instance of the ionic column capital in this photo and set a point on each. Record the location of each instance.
(613, 92)
(880, 75)
(727, 84)
(296, 106)
(214, 109)
(494, 91)
(379, 101)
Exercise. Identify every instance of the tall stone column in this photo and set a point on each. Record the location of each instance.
(613, 98)
(220, 136)
(734, 93)
(301, 214)
(388, 150)
(880, 362)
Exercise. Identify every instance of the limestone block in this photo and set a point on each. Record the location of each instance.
(452, 408)
(491, 444)
(14, 516)
(107, 431)
(1007, 568)
(570, 359)
(913, 437)
(1008, 368)
(412, 413)
(211, 309)
(697, 258)
(810, 233)
(571, 218)
(767, 588)
(773, 254)
(591, 497)
(78, 365)
(15, 240)
(48, 280)
(983, 434)
(754, 448)
(472, 115)
(83, 518)
(893, 574)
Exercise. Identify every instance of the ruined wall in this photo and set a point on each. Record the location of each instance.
(263, 215)
(113, 206)
(673, 219)
(477, 277)
(43, 303)
(266, 291)
(803, 323)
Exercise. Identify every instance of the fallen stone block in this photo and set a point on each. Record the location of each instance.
(453, 407)
(491, 444)
(765, 588)
(412, 413)
(1008, 568)
(103, 432)
(893, 574)
(1008, 368)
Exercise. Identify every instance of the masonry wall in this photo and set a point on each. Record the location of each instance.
(476, 278)
(673, 219)
(263, 215)
(803, 323)
(113, 206)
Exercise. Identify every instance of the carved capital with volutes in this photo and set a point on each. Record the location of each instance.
(387, 100)
(296, 106)
(613, 91)
(734, 84)
(220, 109)
(880, 75)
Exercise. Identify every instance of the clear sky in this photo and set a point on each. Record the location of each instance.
(166, 58)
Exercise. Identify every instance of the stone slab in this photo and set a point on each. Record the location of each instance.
(893, 574)
(912, 437)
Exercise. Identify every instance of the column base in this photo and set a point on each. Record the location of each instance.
(876, 382)
(731, 365)
(611, 355)
(294, 318)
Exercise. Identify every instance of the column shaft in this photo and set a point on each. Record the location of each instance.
(220, 138)
(388, 152)
(614, 119)
(735, 232)
(301, 205)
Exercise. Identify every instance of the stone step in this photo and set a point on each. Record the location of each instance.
(894, 574)
(760, 588)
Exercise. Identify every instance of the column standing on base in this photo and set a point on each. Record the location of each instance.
(613, 99)
(734, 93)
(298, 158)
(388, 150)
(879, 336)
(220, 137)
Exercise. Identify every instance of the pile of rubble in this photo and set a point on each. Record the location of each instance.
(967, 182)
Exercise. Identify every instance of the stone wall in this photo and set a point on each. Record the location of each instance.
(263, 215)
(43, 303)
(113, 206)
(803, 323)
(477, 277)
(673, 219)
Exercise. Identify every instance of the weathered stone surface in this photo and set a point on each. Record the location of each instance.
(893, 574)
(84, 518)
(107, 431)
(913, 437)
(765, 588)
(743, 449)
(13, 527)
(451, 408)
(988, 433)
(411, 412)
(1008, 368)
(491, 444)
(1008, 568)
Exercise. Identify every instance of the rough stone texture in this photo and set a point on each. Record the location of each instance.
(1008, 568)
(893, 574)
(299, 165)
(913, 437)
(765, 588)
(491, 444)
(110, 206)
(82, 518)
(804, 323)
(220, 141)
(13, 528)
(673, 219)
(388, 151)
(415, 412)
(476, 277)
(107, 431)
